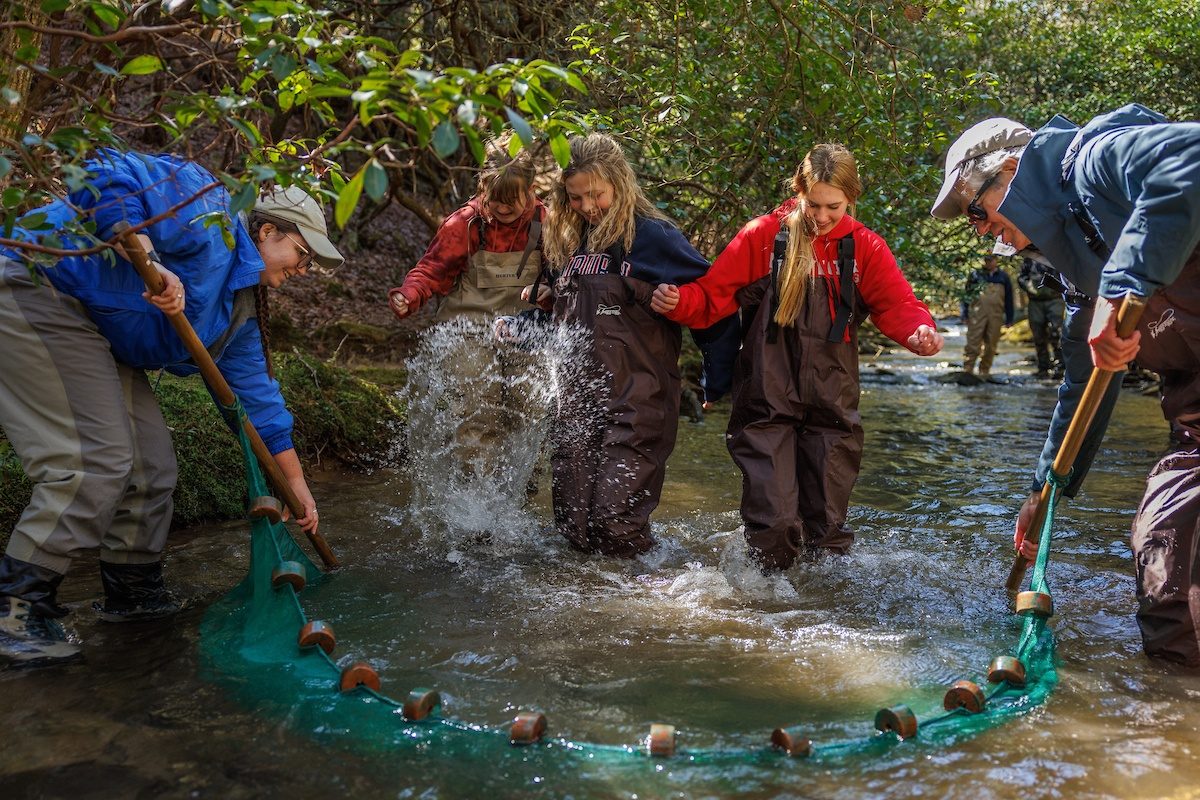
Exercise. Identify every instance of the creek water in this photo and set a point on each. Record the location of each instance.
(503, 615)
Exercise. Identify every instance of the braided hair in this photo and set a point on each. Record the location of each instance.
(262, 309)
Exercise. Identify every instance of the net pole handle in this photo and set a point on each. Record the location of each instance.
(1127, 319)
(217, 383)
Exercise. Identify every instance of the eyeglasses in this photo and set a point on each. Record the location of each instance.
(975, 212)
(305, 254)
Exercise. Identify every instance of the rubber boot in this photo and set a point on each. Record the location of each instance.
(29, 634)
(134, 593)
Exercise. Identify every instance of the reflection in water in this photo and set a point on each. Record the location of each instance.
(690, 634)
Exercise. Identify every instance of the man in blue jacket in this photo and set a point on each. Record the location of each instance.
(1115, 207)
(75, 341)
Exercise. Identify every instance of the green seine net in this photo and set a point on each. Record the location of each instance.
(250, 645)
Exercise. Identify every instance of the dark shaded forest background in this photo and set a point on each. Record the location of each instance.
(382, 106)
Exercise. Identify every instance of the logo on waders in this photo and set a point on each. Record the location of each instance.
(607, 311)
(1162, 323)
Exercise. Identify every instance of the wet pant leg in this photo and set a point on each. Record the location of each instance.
(1039, 329)
(974, 345)
(766, 452)
(577, 437)
(990, 334)
(829, 455)
(1166, 556)
(139, 528)
(474, 391)
(636, 443)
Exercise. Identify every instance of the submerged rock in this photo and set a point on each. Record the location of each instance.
(961, 378)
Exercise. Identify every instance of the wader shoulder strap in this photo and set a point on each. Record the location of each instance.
(532, 243)
(243, 310)
(837, 332)
(778, 256)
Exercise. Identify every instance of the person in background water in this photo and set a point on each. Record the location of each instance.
(987, 305)
(75, 401)
(1046, 307)
(478, 262)
(1114, 206)
(805, 275)
(618, 410)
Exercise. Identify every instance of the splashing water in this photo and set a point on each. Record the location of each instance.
(479, 414)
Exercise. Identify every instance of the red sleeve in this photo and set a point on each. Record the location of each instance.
(712, 297)
(894, 308)
(444, 260)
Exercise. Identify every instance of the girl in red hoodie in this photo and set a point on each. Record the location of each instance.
(805, 277)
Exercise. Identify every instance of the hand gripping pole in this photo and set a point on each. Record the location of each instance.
(1127, 319)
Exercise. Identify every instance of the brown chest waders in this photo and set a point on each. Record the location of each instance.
(795, 430)
(617, 412)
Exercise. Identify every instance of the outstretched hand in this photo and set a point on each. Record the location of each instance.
(398, 303)
(542, 296)
(665, 298)
(1109, 351)
(926, 341)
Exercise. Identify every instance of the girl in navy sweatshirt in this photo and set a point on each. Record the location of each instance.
(607, 248)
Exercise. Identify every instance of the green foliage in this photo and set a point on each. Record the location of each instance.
(306, 93)
(15, 489)
(715, 100)
(718, 101)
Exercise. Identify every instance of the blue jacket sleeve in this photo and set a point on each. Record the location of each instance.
(245, 368)
(1154, 171)
(1077, 358)
(662, 254)
(719, 345)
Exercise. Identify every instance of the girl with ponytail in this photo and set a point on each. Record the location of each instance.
(805, 276)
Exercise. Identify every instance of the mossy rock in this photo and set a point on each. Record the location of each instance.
(1018, 333)
(341, 417)
(349, 337)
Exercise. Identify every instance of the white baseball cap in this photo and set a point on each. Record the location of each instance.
(295, 205)
(997, 133)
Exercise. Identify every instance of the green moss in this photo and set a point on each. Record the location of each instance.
(14, 488)
(341, 417)
(388, 378)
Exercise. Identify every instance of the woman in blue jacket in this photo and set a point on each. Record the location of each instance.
(75, 401)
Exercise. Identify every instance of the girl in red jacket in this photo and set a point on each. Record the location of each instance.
(805, 277)
(475, 399)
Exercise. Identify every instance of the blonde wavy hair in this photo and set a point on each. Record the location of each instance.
(825, 163)
(599, 156)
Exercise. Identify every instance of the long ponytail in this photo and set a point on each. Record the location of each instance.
(825, 163)
(797, 267)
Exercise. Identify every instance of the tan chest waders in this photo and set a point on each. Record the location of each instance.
(491, 285)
